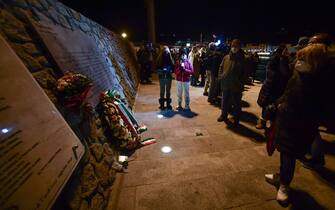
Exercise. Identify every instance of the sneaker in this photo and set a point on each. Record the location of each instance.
(205, 94)
(222, 118)
(282, 194)
(272, 179)
(261, 124)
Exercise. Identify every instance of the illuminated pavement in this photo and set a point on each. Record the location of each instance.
(210, 166)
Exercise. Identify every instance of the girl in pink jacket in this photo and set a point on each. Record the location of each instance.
(183, 71)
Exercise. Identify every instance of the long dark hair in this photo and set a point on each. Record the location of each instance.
(162, 56)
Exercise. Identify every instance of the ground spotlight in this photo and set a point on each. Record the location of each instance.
(4, 130)
(166, 149)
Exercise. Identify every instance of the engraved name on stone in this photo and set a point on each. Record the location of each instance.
(36, 144)
(76, 51)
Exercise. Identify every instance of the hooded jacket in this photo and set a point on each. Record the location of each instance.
(303, 107)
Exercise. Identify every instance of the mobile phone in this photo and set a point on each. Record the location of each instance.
(123, 158)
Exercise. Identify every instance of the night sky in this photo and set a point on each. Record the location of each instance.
(271, 21)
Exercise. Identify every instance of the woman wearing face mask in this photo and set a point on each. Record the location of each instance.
(183, 71)
(299, 113)
(165, 66)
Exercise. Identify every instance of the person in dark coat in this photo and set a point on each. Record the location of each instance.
(298, 112)
(254, 64)
(317, 159)
(231, 76)
(274, 84)
(207, 62)
(165, 67)
(145, 57)
(202, 56)
(214, 87)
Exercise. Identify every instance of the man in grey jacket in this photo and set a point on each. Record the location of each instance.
(231, 75)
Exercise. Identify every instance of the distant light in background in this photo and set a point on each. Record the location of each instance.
(188, 44)
(166, 149)
(264, 57)
(4, 130)
(263, 53)
(160, 116)
(124, 35)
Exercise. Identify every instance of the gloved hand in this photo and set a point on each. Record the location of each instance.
(270, 112)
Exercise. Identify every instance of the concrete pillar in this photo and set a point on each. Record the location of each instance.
(151, 20)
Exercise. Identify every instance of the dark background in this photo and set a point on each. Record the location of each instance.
(269, 21)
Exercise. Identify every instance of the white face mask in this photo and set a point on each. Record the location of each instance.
(302, 66)
(234, 50)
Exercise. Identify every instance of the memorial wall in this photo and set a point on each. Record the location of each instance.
(50, 39)
(35, 141)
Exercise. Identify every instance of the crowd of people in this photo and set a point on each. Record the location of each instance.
(295, 95)
(203, 64)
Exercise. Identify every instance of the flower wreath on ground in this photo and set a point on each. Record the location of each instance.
(120, 125)
(73, 90)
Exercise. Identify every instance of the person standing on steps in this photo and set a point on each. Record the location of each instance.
(183, 71)
(165, 67)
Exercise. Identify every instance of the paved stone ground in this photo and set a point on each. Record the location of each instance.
(221, 169)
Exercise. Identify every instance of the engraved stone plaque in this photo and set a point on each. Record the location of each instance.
(38, 150)
(77, 51)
